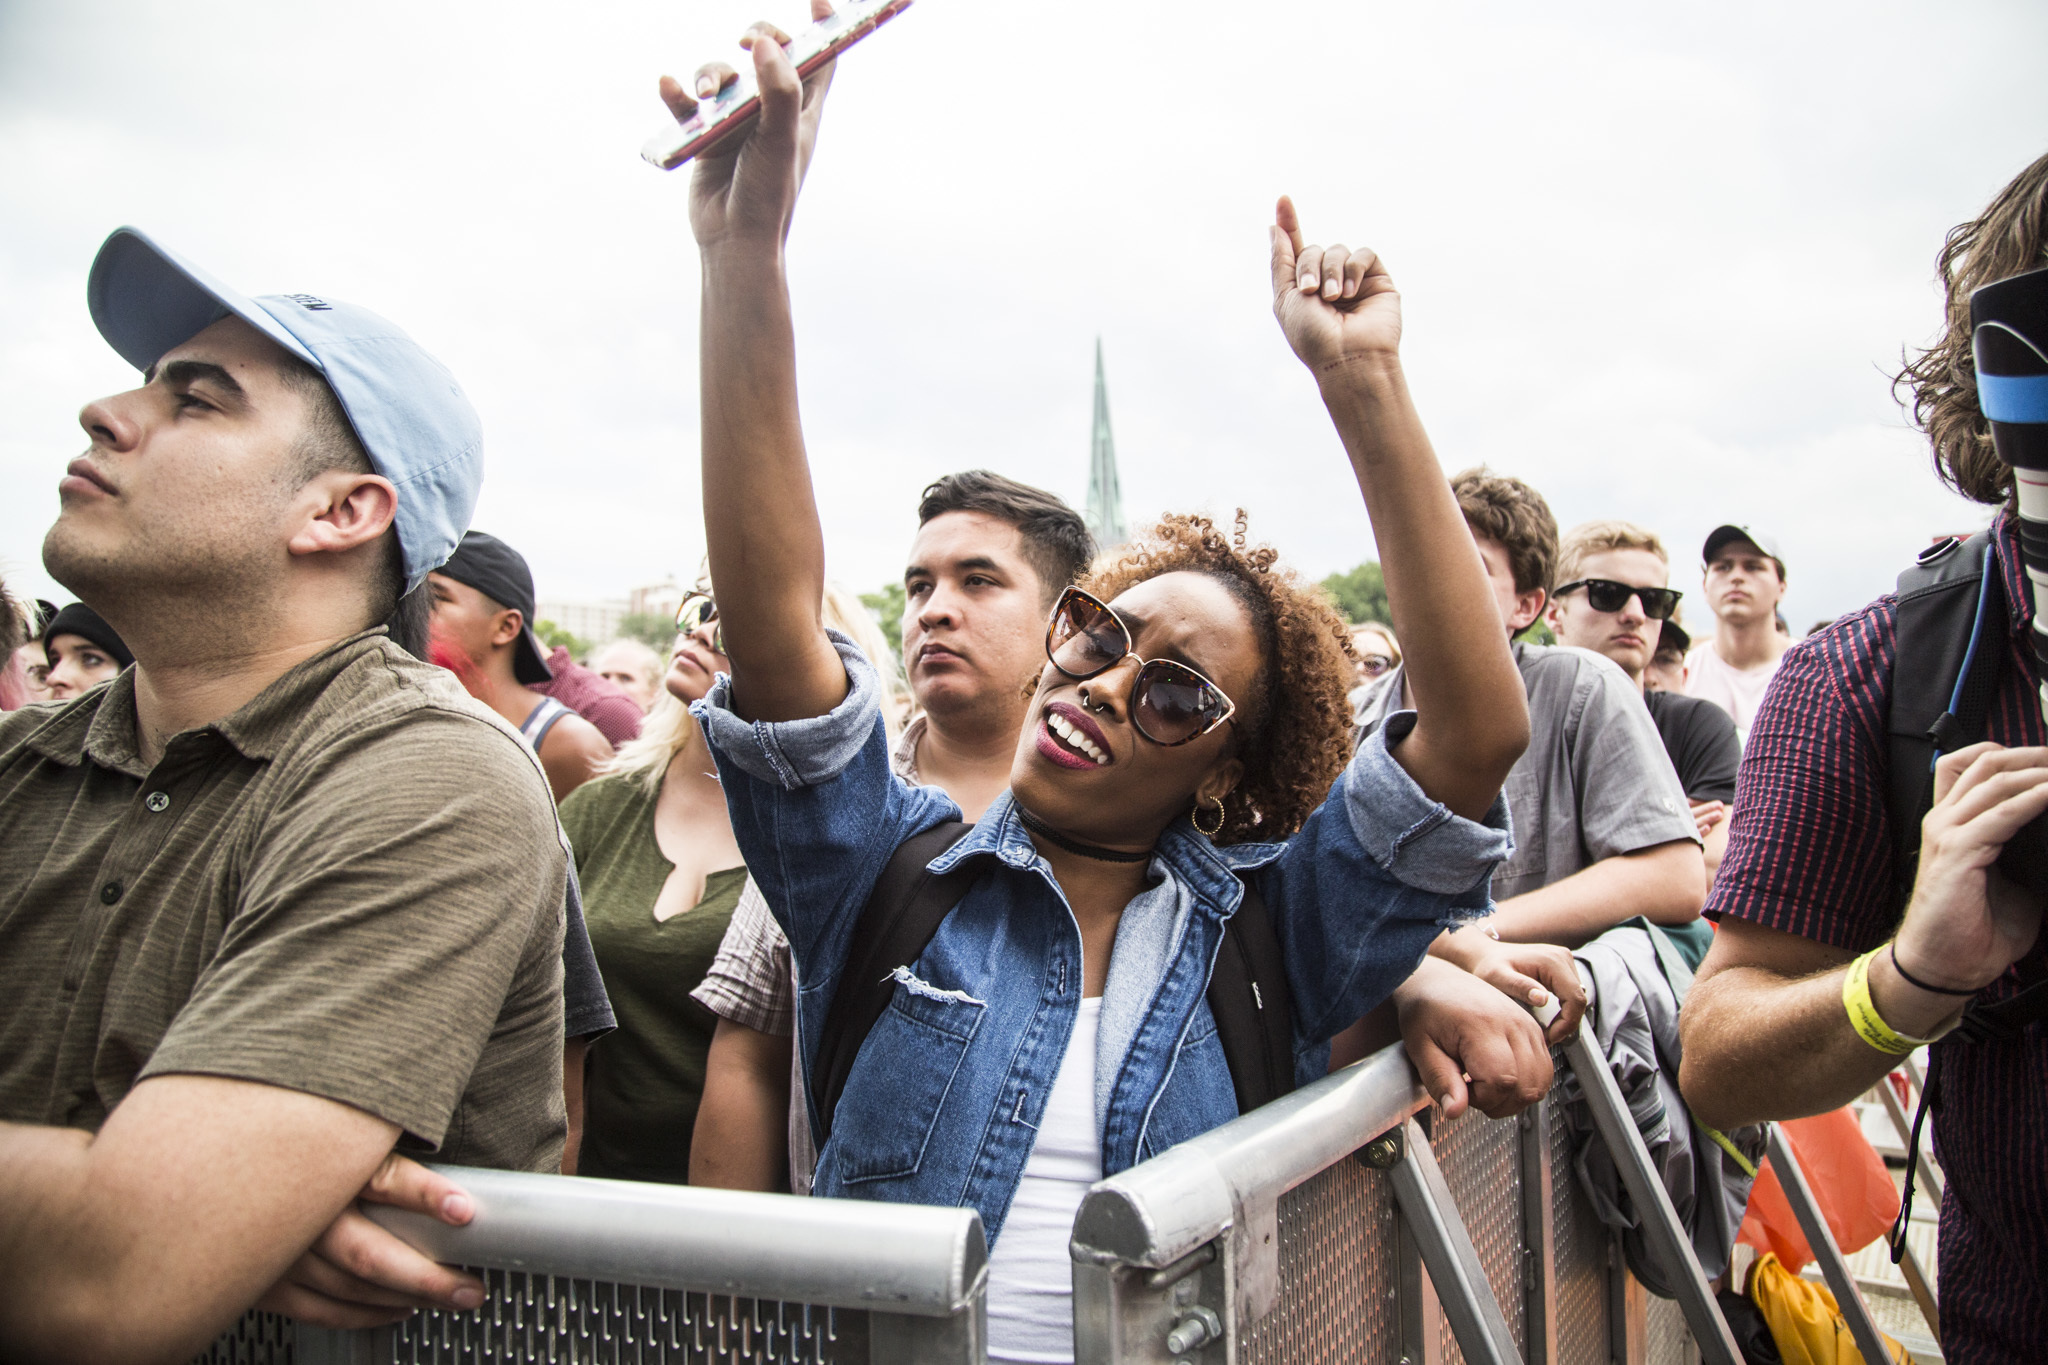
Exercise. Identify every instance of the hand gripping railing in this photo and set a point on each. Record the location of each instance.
(1179, 1258)
(605, 1270)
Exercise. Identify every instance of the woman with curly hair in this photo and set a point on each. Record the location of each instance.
(1187, 745)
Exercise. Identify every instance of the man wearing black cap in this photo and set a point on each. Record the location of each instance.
(483, 633)
(1744, 578)
(83, 652)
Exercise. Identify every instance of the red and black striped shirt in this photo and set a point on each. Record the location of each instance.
(1812, 851)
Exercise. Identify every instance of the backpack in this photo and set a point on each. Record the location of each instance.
(1248, 991)
(1951, 626)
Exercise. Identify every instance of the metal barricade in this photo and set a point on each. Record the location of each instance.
(1333, 1226)
(603, 1272)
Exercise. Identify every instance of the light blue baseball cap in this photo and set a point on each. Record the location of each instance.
(413, 419)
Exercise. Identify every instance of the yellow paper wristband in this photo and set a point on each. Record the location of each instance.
(1863, 1016)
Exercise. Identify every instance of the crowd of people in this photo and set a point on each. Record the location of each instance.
(315, 861)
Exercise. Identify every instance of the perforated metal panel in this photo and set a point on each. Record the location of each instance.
(534, 1318)
(1481, 1161)
(1336, 1275)
(258, 1339)
(1669, 1343)
(1582, 1331)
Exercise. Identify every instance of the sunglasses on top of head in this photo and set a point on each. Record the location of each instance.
(698, 608)
(1170, 703)
(1604, 594)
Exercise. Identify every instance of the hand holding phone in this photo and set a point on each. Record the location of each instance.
(737, 103)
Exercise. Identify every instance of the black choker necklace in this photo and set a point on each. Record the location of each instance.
(1095, 851)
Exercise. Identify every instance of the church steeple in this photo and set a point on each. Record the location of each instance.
(1105, 513)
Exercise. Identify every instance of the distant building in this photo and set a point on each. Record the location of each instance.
(1105, 514)
(601, 622)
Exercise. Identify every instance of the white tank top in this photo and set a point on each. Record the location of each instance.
(1030, 1273)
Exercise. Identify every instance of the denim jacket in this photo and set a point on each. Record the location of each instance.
(942, 1102)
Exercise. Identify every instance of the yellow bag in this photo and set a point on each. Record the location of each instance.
(1804, 1319)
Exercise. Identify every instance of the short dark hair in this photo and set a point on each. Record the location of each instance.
(1507, 510)
(328, 442)
(1056, 540)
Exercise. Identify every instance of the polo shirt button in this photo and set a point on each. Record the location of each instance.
(157, 802)
(110, 893)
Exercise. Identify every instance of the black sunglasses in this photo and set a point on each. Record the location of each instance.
(1170, 703)
(697, 608)
(1604, 594)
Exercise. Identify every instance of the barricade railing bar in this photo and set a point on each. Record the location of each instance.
(1929, 1180)
(1827, 1253)
(615, 1271)
(1652, 1202)
(1343, 1222)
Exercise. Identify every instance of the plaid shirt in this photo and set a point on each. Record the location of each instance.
(1811, 851)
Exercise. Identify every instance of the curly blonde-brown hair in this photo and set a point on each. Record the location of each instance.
(1294, 732)
(1940, 384)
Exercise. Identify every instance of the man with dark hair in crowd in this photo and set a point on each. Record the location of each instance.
(1615, 599)
(280, 898)
(1838, 951)
(483, 633)
(990, 557)
(1602, 828)
(1744, 578)
(1666, 670)
(83, 652)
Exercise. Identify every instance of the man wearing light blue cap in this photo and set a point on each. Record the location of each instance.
(280, 898)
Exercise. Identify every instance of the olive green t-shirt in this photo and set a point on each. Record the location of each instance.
(640, 1096)
(350, 887)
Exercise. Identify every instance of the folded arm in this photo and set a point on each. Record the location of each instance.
(145, 1241)
(1342, 316)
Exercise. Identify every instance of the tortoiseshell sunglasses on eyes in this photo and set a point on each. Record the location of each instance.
(1170, 703)
(697, 608)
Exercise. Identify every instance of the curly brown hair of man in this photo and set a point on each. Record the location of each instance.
(1940, 384)
(1294, 732)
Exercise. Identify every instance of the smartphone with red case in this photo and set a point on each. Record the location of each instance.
(733, 110)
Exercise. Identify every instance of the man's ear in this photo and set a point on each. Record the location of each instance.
(1553, 612)
(340, 511)
(1528, 606)
(507, 626)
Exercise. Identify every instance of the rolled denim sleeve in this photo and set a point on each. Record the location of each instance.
(794, 754)
(1417, 840)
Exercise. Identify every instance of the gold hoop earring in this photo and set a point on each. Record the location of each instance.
(1195, 819)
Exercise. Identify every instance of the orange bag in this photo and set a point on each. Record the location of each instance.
(1805, 1321)
(1849, 1181)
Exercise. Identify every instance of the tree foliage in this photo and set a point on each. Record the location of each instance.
(1360, 594)
(554, 636)
(887, 607)
(656, 630)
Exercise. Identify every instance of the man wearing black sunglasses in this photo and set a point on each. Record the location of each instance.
(1602, 827)
(1616, 604)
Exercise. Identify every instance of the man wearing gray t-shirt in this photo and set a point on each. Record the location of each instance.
(1602, 829)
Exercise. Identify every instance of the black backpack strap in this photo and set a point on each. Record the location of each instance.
(1949, 599)
(904, 910)
(1254, 1009)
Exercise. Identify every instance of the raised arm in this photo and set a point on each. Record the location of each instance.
(760, 518)
(1342, 316)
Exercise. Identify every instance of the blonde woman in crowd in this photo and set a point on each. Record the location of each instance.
(660, 875)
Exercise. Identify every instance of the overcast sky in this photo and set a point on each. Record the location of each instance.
(1657, 260)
